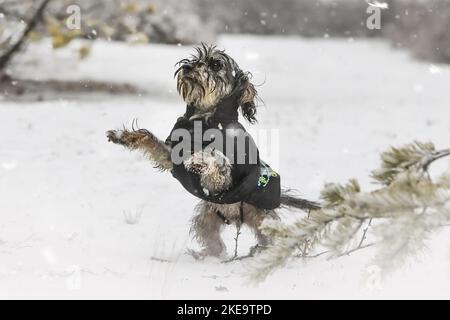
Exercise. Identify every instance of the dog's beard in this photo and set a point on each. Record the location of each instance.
(192, 91)
(202, 90)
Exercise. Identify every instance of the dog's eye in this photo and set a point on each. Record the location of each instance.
(215, 65)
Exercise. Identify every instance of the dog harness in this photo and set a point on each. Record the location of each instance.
(254, 183)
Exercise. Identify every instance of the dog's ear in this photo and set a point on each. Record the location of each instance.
(248, 106)
(248, 95)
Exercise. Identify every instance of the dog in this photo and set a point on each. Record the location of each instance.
(214, 87)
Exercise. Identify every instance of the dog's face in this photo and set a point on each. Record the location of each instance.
(211, 75)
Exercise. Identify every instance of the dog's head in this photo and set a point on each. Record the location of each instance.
(211, 75)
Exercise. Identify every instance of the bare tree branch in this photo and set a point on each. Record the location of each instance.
(435, 156)
(4, 59)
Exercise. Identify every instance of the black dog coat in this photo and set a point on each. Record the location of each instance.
(255, 183)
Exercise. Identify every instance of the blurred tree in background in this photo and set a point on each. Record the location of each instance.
(419, 25)
(307, 18)
(121, 20)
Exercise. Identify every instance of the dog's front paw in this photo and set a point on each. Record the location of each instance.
(114, 136)
(193, 165)
(213, 168)
(130, 139)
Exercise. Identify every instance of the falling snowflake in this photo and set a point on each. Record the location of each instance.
(434, 69)
(377, 4)
(8, 166)
(251, 56)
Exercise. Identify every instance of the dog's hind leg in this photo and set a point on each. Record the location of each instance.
(253, 218)
(206, 228)
(146, 142)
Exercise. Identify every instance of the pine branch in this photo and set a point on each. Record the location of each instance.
(398, 160)
(236, 241)
(433, 157)
(403, 214)
(365, 233)
(347, 253)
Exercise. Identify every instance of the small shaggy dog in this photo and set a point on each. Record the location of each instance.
(214, 89)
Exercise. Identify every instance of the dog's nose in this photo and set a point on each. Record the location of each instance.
(187, 67)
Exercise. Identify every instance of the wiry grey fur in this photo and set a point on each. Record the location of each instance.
(210, 75)
(203, 80)
(207, 224)
(144, 141)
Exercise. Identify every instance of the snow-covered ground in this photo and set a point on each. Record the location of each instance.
(65, 191)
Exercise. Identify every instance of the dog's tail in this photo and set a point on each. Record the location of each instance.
(290, 200)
